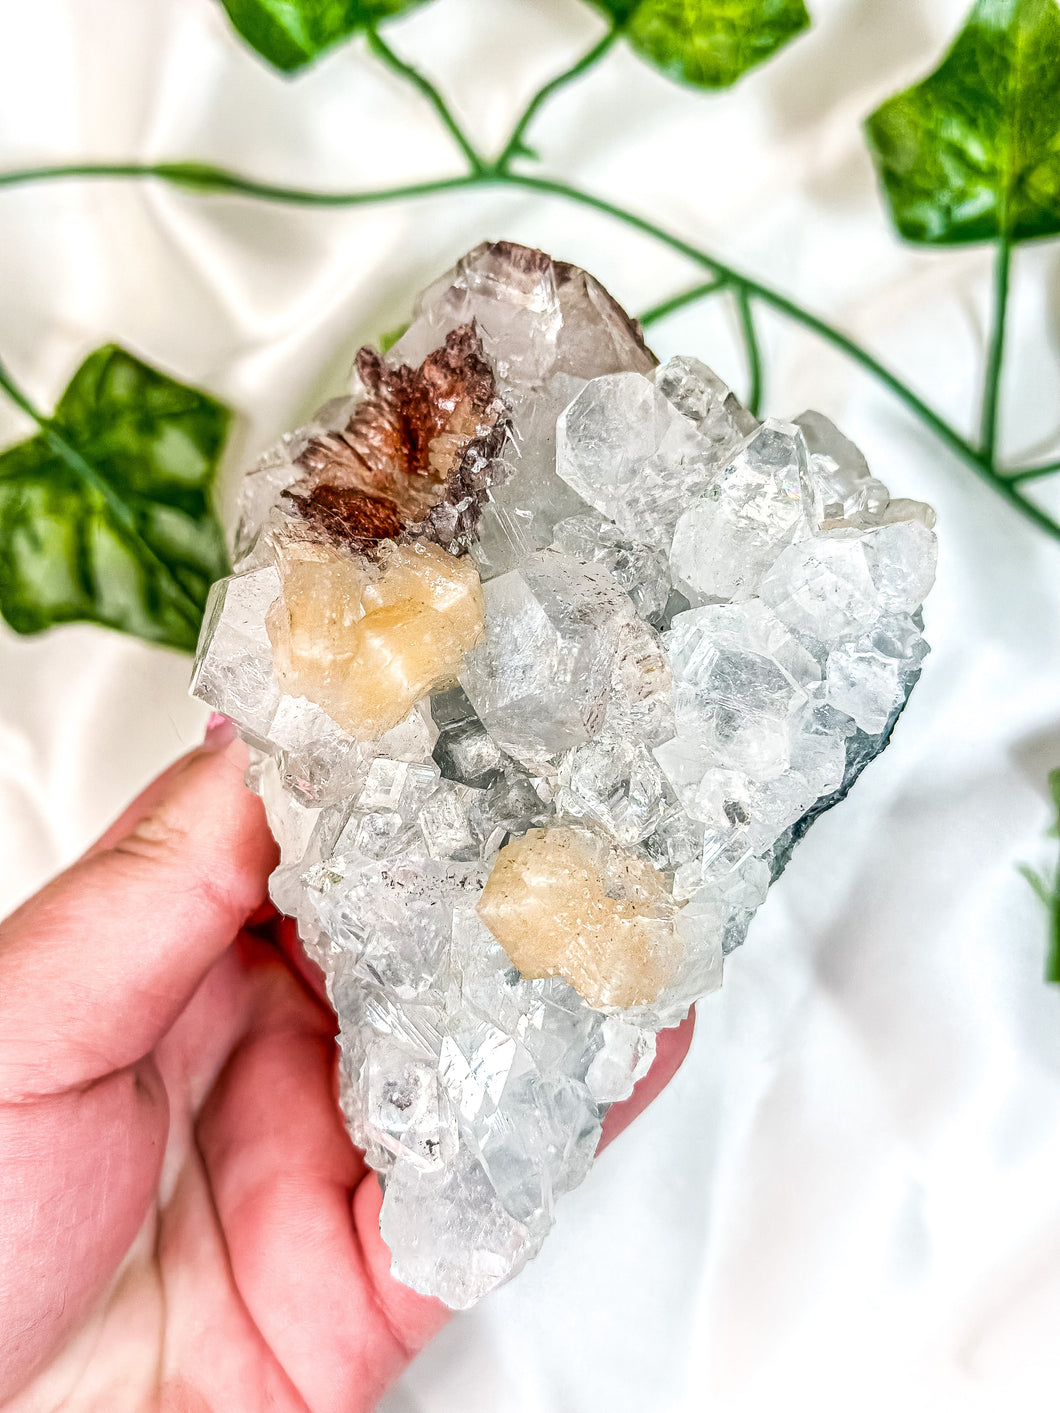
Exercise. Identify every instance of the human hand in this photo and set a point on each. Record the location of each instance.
(184, 1222)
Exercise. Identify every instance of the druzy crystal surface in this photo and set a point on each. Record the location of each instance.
(547, 656)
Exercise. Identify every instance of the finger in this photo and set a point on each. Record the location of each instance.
(282, 932)
(220, 732)
(670, 1051)
(95, 968)
(412, 1319)
(77, 1174)
(79, 1171)
(283, 1173)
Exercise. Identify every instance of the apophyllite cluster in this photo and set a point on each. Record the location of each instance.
(547, 655)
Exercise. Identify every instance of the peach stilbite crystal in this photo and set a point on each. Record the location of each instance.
(366, 640)
(562, 902)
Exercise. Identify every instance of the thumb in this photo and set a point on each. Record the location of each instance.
(96, 967)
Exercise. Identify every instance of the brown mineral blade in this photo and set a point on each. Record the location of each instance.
(417, 455)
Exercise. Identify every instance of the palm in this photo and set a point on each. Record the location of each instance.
(258, 1278)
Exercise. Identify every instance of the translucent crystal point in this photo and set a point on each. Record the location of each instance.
(704, 399)
(641, 570)
(540, 676)
(632, 455)
(762, 499)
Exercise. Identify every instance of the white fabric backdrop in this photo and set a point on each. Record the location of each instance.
(851, 1193)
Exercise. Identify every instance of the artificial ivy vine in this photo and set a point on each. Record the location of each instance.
(105, 514)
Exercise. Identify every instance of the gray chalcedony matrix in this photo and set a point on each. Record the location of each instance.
(547, 654)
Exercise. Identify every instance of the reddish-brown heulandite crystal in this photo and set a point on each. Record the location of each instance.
(417, 456)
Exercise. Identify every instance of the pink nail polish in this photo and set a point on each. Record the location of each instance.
(220, 732)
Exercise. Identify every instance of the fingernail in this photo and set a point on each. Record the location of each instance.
(220, 732)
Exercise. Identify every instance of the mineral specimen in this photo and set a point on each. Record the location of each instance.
(547, 656)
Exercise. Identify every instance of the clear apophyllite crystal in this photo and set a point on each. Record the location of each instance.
(547, 656)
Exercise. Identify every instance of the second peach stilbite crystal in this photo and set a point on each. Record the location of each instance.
(562, 902)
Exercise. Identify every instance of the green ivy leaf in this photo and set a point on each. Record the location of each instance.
(292, 33)
(708, 43)
(972, 152)
(105, 514)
